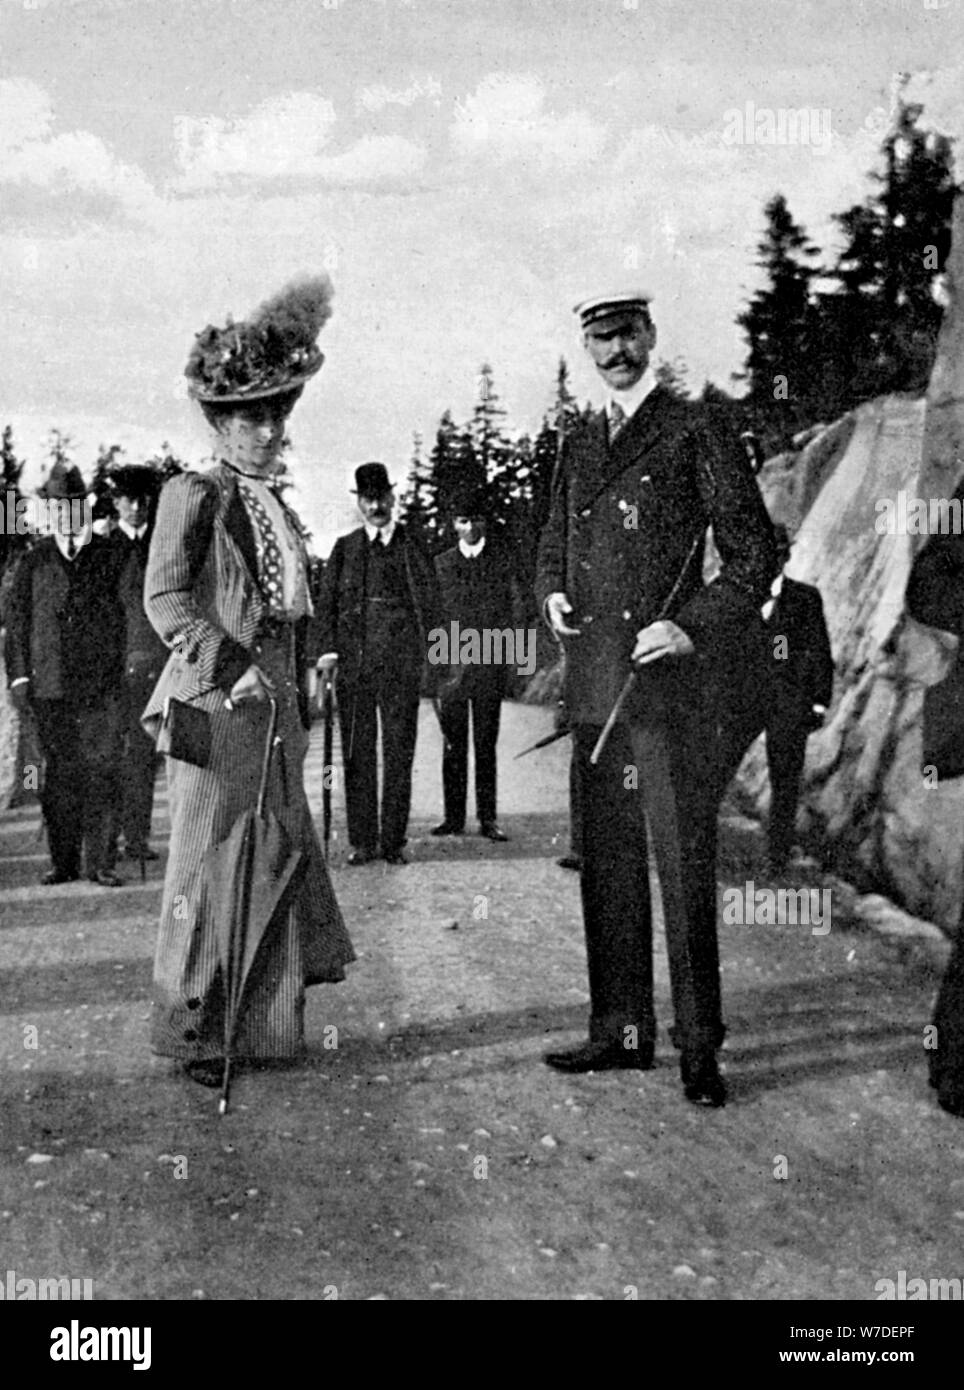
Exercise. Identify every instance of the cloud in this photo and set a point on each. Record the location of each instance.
(378, 97)
(286, 137)
(505, 119)
(72, 164)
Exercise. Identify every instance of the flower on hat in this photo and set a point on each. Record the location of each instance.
(272, 351)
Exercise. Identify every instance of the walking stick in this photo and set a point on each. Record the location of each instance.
(328, 713)
(544, 742)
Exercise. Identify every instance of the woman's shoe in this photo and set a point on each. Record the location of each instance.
(209, 1072)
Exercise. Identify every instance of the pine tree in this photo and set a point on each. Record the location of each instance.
(166, 462)
(11, 471)
(880, 322)
(450, 462)
(565, 407)
(672, 376)
(778, 323)
(108, 458)
(417, 505)
(60, 449)
(495, 455)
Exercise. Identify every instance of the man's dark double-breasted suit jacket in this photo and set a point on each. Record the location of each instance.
(66, 635)
(625, 542)
(66, 624)
(341, 619)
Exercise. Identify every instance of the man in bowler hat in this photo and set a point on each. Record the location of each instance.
(66, 633)
(379, 602)
(619, 577)
(135, 490)
(475, 580)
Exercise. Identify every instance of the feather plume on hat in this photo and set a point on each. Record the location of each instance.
(272, 351)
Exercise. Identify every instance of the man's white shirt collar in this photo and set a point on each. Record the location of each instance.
(471, 551)
(131, 532)
(630, 400)
(384, 533)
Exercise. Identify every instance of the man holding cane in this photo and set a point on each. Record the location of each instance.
(620, 580)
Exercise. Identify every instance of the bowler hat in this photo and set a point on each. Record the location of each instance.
(371, 480)
(63, 482)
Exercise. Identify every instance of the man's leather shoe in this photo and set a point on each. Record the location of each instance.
(590, 1056)
(702, 1082)
(570, 861)
(53, 876)
(361, 856)
(394, 856)
(950, 1098)
(446, 828)
(105, 879)
(491, 831)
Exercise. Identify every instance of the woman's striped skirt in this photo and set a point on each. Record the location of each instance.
(307, 945)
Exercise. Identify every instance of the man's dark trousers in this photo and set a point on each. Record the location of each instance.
(81, 746)
(615, 882)
(388, 689)
(479, 688)
(786, 756)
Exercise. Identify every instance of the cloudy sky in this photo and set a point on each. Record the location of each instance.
(465, 170)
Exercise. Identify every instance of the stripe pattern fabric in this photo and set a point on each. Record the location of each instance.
(199, 589)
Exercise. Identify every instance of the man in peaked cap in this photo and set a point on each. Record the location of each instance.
(135, 491)
(378, 604)
(619, 576)
(476, 584)
(65, 632)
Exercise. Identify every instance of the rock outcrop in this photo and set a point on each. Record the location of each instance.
(866, 806)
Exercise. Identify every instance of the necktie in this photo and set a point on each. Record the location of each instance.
(270, 564)
(617, 419)
(71, 547)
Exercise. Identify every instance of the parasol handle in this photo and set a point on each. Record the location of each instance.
(268, 750)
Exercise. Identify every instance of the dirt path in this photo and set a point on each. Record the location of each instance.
(431, 1154)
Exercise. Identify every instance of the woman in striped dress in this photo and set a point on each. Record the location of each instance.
(226, 588)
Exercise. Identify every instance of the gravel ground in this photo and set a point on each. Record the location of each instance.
(431, 1154)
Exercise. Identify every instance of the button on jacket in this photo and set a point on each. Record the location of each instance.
(625, 540)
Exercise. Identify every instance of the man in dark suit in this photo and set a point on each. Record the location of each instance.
(620, 579)
(786, 696)
(65, 635)
(476, 586)
(801, 688)
(935, 596)
(379, 602)
(135, 492)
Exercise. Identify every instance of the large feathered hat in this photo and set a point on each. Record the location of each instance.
(273, 351)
